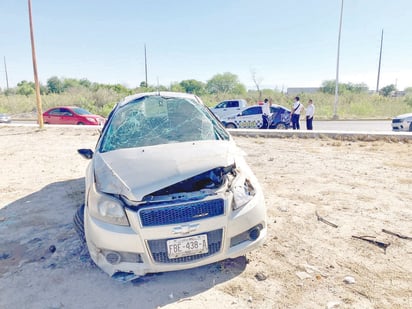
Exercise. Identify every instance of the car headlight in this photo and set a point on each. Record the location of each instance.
(243, 192)
(106, 208)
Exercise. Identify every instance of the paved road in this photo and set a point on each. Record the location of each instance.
(341, 125)
(352, 125)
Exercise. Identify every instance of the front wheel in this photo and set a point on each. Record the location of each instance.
(80, 123)
(78, 221)
(410, 127)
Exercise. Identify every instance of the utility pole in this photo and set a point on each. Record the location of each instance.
(5, 70)
(379, 67)
(335, 107)
(145, 65)
(36, 79)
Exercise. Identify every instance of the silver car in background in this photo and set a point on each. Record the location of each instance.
(167, 189)
(4, 118)
(402, 123)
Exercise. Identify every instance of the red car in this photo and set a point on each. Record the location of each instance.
(71, 115)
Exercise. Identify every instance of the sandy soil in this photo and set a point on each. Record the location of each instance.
(362, 187)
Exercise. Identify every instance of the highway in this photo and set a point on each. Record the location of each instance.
(321, 125)
(351, 125)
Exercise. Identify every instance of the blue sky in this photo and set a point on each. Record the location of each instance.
(285, 43)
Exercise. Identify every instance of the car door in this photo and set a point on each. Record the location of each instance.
(67, 117)
(250, 118)
(53, 117)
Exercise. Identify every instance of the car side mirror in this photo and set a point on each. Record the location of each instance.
(86, 153)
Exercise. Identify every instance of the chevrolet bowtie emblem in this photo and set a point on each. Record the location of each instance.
(185, 229)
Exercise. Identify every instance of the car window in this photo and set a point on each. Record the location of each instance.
(252, 111)
(222, 104)
(65, 112)
(155, 120)
(55, 112)
(232, 104)
(81, 111)
(274, 110)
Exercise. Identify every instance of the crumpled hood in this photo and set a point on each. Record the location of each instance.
(136, 172)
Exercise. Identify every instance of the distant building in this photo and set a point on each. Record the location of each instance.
(298, 90)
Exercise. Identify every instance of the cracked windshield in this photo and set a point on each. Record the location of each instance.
(160, 120)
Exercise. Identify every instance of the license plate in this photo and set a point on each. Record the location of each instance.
(187, 246)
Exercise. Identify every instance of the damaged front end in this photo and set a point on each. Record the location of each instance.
(170, 206)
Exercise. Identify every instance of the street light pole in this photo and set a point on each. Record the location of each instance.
(36, 79)
(335, 107)
(379, 67)
(145, 65)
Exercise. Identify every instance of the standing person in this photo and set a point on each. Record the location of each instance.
(310, 112)
(266, 113)
(295, 115)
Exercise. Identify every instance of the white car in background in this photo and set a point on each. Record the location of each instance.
(228, 108)
(251, 118)
(402, 123)
(167, 189)
(4, 118)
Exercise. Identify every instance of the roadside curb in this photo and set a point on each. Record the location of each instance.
(317, 134)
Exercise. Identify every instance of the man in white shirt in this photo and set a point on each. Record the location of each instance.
(310, 112)
(295, 115)
(266, 113)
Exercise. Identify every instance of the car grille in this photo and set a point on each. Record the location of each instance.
(180, 213)
(396, 120)
(158, 248)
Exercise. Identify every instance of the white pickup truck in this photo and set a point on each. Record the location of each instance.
(229, 107)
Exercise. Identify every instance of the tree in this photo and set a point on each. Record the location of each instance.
(257, 81)
(193, 86)
(225, 83)
(176, 87)
(357, 88)
(25, 88)
(387, 90)
(55, 85)
(329, 86)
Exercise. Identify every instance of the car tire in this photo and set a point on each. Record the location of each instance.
(80, 124)
(281, 126)
(230, 126)
(78, 221)
(410, 127)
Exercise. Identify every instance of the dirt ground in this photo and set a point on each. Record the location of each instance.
(358, 188)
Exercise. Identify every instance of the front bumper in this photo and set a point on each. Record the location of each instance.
(401, 125)
(141, 248)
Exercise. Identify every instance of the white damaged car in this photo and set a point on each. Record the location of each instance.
(167, 189)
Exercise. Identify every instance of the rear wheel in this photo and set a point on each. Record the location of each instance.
(230, 126)
(281, 126)
(80, 123)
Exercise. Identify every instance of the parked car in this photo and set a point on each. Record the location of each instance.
(71, 115)
(251, 118)
(229, 108)
(402, 123)
(167, 189)
(4, 118)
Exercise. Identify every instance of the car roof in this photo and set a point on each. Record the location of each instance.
(63, 106)
(159, 93)
(404, 115)
(273, 105)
